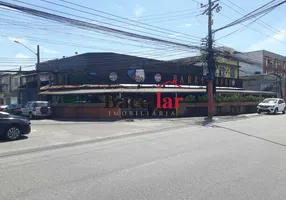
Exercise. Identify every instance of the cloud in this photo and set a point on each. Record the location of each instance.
(22, 40)
(175, 35)
(20, 55)
(49, 51)
(138, 11)
(271, 44)
(280, 35)
(184, 26)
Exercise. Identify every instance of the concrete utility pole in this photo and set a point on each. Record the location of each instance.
(210, 61)
(37, 66)
(38, 74)
(211, 88)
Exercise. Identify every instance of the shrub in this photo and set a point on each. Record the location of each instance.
(190, 99)
(203, 98)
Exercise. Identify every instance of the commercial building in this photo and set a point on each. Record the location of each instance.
(263, 70)
(9, 84)
(101, 84)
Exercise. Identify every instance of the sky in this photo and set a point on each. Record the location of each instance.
(179, 21)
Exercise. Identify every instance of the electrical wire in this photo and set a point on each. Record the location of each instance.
(85, 18)
(260, 22)
(126, 19)
(147, 65)
(256, 30)
(94, 27)
(244, 26)
(260, 11)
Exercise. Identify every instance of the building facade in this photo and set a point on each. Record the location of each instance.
(263, 70)
(263, 62)
(111, 68)
(9, 84)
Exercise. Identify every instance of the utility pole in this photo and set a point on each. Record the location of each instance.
(38, 74)
(210, 56)
(210, 62)
(38, 80)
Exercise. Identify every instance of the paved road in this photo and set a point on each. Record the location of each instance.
(231, 160)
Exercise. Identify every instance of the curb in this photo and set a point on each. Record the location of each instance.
(78, 143)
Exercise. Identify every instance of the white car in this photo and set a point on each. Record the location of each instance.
(36, 109)
(271, 105)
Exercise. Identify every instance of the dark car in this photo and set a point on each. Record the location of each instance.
(14, 109)
(12, 126)
(3, 107)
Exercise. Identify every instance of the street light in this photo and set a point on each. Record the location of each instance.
(37, 66)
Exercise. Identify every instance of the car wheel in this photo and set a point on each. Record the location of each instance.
(13, 133)
(258, 112)
(31, 116)
(283, 112)
(275, 111)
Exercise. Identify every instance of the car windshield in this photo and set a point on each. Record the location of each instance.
(42, 104)
(269, 101)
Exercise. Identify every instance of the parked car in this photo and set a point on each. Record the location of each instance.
(35, 109)
(12, 127)
(14, 109)
(271, 105)
(3, 107)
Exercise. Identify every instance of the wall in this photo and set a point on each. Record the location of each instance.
(247, 69)
(264, 83)
(274, 63)
(96, 111)
(10, 85)
(223, 108)
(250, 62)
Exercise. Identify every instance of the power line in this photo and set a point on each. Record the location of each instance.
(240, 29)
(166, 13)
(118, 26)
(167, 19)
(88, 8)
(260, 11)
(147, 65)
(263, 24)
(94, 27)
(254, 30)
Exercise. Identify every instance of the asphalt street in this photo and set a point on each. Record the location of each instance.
(242, 159)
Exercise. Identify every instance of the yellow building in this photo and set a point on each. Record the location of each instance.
(227, 68)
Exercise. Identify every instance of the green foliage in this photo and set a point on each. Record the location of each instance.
(190, 99)
(223, 98)
(203, 98)
(251, 98)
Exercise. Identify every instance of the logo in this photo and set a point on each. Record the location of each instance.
(137, 75)
(158, 77)
(168, 102)
(113, 76)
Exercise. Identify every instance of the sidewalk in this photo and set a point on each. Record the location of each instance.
(50, 134)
